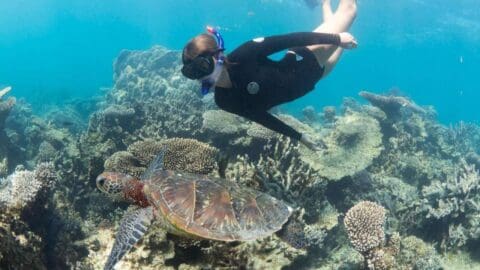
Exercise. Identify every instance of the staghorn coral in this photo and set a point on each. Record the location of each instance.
(279, 171)
(329, 114)
(351, 147)
(310, 115)
(454, 203)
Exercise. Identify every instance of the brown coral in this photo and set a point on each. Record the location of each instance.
(187, 155)
(190, 155)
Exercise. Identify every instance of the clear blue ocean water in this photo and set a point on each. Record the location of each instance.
(52, 51)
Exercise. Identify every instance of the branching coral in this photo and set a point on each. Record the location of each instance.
(364, 223)
(22, 187)
(351, 147)
(456, 203)
(279, 171)
(5, 106)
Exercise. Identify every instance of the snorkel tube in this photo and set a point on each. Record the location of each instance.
(209, 82)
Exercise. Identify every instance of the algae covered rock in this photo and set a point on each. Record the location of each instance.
(416, 254)
(351, 146)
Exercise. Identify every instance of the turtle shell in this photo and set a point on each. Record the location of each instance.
(213, 208)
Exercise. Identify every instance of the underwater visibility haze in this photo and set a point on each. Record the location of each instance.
(111, 158)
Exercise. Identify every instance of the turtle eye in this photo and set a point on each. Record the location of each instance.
(100, 181)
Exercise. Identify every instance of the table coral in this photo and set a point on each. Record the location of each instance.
(351, 147)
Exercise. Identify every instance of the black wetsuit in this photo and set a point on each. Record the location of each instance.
(259, 83)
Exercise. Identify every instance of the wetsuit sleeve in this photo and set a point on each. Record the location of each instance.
(269, 121)
(269, 45)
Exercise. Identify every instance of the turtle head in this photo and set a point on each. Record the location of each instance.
(113, 184)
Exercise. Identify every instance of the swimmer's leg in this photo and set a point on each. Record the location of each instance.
(328, 55)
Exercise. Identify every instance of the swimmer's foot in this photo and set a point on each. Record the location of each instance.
(347, 8)
(348, 3)
(327, 10)
(5, 91)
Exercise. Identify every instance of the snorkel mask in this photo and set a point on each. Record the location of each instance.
(203, 66)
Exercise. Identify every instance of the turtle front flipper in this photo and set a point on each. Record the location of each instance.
(132, 227)
(155, 166)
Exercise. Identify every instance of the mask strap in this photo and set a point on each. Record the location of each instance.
(217, 35)
(207, 83)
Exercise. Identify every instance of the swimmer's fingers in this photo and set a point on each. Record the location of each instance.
(347, 41)
(354, 44)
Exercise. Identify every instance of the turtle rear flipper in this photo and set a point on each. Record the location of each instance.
(132, 227)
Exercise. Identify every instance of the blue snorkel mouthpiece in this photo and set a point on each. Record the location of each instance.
(208, 82)
(206, 85)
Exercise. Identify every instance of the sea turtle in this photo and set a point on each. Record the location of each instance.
(190, 205)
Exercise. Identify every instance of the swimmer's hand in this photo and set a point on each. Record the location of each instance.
(310, 144)
(347, 41)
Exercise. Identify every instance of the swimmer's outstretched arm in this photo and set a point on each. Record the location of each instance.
(269, 121)
(269, 45)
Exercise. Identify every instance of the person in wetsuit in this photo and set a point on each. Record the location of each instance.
(248, 83)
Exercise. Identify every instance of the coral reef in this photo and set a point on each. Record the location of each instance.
(390, 151)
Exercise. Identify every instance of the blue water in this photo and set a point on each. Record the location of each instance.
(53, 50)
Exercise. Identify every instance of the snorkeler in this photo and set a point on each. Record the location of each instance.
(248, 83)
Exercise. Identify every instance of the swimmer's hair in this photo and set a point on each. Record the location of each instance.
(203, 43)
